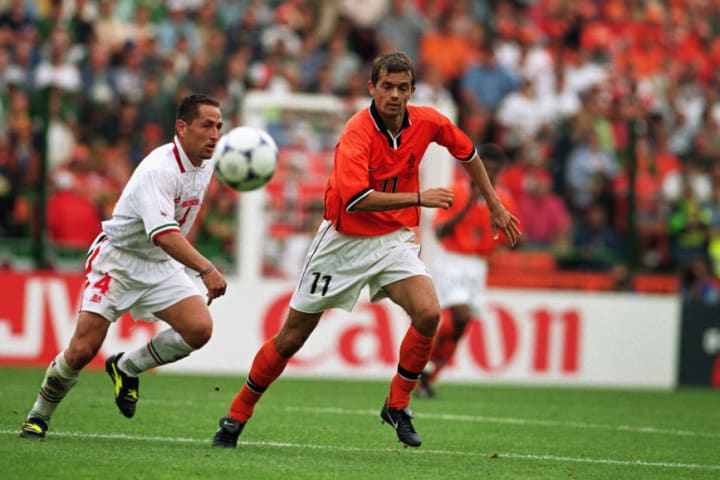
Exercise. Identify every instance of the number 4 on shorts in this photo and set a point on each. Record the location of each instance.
(103, 284)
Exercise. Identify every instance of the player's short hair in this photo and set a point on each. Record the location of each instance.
(394, 62)
(189, 108)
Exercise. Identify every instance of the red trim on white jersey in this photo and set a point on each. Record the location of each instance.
(163, 232)
(177, 158)
(95, 251)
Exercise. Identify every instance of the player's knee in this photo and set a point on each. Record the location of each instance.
(289, 346)
(288, 343)
(198, 335)
(426, 320)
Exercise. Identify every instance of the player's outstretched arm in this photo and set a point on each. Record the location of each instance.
(500, 218)
(381, 201)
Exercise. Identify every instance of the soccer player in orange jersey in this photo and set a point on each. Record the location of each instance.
(460, 266)
(371, 202)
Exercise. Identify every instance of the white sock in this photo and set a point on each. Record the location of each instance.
(59, 379)
(165, 347)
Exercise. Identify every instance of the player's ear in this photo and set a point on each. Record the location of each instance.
(180, 127)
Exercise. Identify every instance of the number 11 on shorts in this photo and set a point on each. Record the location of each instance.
(325, 280)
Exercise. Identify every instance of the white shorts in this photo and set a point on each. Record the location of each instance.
(460, 280)
(117, 282)
(337, 267)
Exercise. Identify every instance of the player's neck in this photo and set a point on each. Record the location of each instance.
(393, 124)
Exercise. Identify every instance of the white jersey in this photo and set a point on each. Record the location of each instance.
(164, 194)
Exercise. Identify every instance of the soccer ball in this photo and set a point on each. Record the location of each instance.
(245, 158)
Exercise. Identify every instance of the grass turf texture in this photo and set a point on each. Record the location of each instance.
(315, 429)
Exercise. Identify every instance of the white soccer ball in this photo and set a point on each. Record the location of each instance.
(245, 158)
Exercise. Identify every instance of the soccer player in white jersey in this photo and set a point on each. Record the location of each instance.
(138, 264)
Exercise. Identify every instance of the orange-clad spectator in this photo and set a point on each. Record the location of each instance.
(546, 221)
(530, 166)
(596, 37)
(689, 45)
(648, 23)
(714, 52)
(647, 58)
(552, 17)
(445, 50)
(606, 34)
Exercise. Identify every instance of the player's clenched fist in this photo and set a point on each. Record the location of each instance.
(437, 198)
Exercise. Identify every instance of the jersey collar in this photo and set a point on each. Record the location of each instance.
(380, 125)
(183, 162)
(393, 141)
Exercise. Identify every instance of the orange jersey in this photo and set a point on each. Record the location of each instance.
(368, 158)
(473, 233)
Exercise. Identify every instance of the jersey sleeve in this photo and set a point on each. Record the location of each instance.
(455, 140)
(154, 202)
(352, 178)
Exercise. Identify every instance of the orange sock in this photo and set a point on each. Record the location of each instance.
(267, 365)
(444, 347)
(414, 354)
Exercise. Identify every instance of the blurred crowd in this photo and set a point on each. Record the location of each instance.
(609, 110)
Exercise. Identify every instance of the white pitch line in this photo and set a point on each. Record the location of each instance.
(519, 421)
(471, 418)
(488, 419)
(478, 419)
(497, 456)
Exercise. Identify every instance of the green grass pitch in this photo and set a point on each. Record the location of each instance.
(330, 429)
